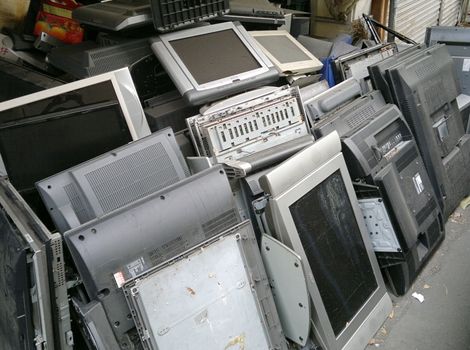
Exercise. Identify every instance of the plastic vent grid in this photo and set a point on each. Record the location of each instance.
(360, 116)
(172, 14)
(76, 203)
(148, 167)
(220, 223)
(244, 129)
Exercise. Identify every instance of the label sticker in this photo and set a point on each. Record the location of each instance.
(466, 65)
(119, 278)
(136, 267)
(418, 183)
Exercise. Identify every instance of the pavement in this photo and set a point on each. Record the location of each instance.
(442, 321)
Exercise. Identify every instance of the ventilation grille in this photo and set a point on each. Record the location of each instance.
(425, 212)
(132, 177)
(406, 159)
(77, 204)
(58, 262)
(435, 94)
(426, 68)
(220, 223)
(360, 116)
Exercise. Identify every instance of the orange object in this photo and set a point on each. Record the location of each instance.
(55, 19)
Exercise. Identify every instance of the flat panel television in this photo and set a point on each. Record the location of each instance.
(314, 211)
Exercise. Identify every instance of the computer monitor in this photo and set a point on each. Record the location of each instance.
(383, 153)
(432, 112)
(377, 71)
(112, 180)
(287, 54)
(115, 15)
(314, 211)
(49, 131)
(211, 62)
(330, 99)
(129, 241)
(354, 65)
(221, 282)
(350, 116)
(248, 125)
(457, 40)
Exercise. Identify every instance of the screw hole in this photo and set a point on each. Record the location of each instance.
(301, 305)
(49, 186)
(81, 237)
(296, 264)
(267, 248)
(221, 172)
(93, 230)
(162, 198)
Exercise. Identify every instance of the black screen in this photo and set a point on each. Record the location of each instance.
(214, 56)
(36, 148)
(333, 244)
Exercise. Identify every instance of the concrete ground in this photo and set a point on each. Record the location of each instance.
(442, 321)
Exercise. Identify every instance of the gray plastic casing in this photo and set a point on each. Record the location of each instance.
(112, 180)
(131, 240)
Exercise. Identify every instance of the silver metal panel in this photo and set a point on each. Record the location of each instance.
(412, 17)
(288, 281)
(379, 226)
(208, 298)
(450, 12)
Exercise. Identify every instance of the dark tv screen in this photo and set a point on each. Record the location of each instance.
(335, 250)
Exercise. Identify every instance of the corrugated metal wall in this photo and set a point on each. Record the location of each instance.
(450, 10)
(412, 17)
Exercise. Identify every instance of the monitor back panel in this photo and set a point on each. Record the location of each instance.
(226, 279)
(115, 15)
(129, 241)
(350, 117)
(457, 40)
(387, 146)
(113, 180)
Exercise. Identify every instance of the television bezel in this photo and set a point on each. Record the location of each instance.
(124, 89)
(314, 165)
(182, 77)
(292, 67)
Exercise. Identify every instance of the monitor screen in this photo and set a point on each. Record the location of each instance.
(282, 48)
(37, 147)
(213, 56)
(335, 250)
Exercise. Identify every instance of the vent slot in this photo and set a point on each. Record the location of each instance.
(357, 118)
(132, 177)
(77, 204)
(220, 223)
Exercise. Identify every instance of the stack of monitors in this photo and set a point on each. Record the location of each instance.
(380, 150)
(415, 81)
(49, 131)
(314, 211)
(131, 240)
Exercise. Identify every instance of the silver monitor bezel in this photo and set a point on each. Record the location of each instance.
(295, 67)
(314, 165)
(183, 77)
(124, 88)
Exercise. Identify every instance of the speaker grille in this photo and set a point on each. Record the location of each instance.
(132, 177)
